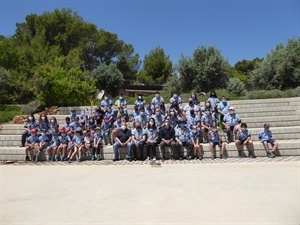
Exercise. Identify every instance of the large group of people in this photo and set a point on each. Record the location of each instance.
(152, 124)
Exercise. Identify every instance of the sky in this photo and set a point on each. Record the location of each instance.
(238, 29)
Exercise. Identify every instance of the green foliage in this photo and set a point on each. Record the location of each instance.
(172, 86)
(157, 67)
(43, 39)
(8, 112)
(246, 66)
(206, 71)
(280, 69)
(62, 85)
(275, 93)
(236, 87)
(6, 86)
(108, 78)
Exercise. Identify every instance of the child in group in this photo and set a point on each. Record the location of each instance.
(54, 143)
(88, 143)
(265, 136)
(243, 138)
(216, 140)
(97, 144)
(105, 127)
(53, 127)
(78, 141)
(71, 145)
(67, 125)
(91, 125)
(63, 144)
(195, 134)
(32, 144)
(44, 142)
(43, 123)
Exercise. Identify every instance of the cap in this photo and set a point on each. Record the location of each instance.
(33, 131)
(266, 125)
(231, 108)
(98, 128)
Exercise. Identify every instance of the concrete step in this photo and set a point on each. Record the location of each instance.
(286, 148)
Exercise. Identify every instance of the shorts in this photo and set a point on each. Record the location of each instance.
(215, 143)
(271, 141)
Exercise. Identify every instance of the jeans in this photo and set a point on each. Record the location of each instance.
(25, 134)
(116, 147)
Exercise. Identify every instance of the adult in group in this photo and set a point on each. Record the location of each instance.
(123, 139)
(183, 138)
(167, 135)
(30, 125)
(223, 108)
(138, 141)
(140, 102)
(152, 138)
(230, 120)
(190, 105)
(156, 101)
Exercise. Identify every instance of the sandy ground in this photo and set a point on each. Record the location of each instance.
(236, 193)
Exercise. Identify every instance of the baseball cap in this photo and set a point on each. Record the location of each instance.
(231, 108)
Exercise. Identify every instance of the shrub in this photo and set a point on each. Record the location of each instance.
(8, 112)
(236, 87)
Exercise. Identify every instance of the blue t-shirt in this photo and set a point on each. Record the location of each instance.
(33, 139)
(243, 135)
(231, 119)
(156, 101)
(151, 133)
(224, 107)
(214, 136)
(64, 140)
(138, 134)
(183, 135)
(265, 135)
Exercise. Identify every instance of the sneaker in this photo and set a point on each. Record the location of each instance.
(36, 159)
(163, 159)
(21, 146)
(69, 160)
(27, 158)
(115, 159)
(154, 158)
(223, 157)
(272, 155)
(62, 158)
(148, 158)
(48, 158)
(56, 157)
(240, 154)
(92, 158)
(213, 157)
(98, 157)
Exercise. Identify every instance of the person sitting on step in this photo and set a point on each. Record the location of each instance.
(230, 120)
(243, 138)
(265, 136)
(215, 139)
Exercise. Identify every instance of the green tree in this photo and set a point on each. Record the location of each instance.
(62, 85)
(7, 88)
(108, 78)
(280, 69)
(157, 67)
(205, 71)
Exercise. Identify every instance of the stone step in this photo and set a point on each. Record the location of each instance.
(286, 148)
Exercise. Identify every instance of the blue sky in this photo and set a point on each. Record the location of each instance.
(239, 29)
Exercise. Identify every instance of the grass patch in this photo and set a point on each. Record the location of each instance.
(8, 112)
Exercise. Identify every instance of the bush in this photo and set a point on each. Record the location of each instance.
(236, 87)
(8, 112)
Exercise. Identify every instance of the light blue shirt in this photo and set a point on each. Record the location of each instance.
(106, 103)
(193, 120)
(183, 135)
(244, 135)
(122, 102)
(208, 120)
(156, 101)
(140, 104)
(177, 99)
(138, 134)
(265, 135)
(78, 139)
(33, 139)
(64, 140)
(142, 119)
(213, 101)
(224, 107)
(231, 119)
(188, 107)
(214, 136)
(151, 133)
